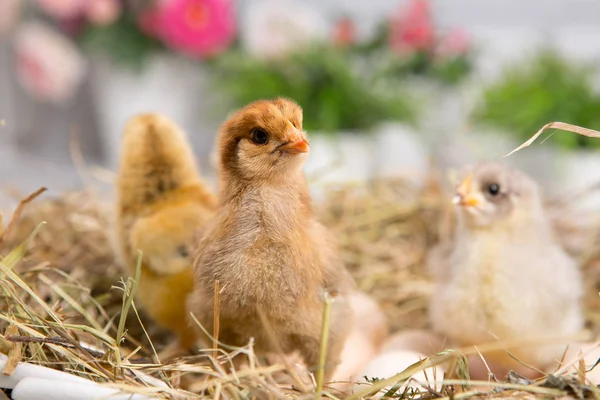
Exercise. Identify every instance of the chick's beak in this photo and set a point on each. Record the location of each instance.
(465, 201)
(464, 196)
(295, 147)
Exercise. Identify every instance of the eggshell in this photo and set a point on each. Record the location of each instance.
(39, 388)
(419, 340)
(358, 351)
(368, 317)
(391, 363)
(26, 370)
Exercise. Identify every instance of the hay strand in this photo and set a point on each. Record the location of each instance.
(327, 300)
(18, 212)
(558, 125)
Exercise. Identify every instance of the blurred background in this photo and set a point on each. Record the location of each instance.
(389, 87)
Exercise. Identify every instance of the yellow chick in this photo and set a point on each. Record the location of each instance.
(505, 276)
(162, 204)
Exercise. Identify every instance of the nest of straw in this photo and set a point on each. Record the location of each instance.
(66, 305)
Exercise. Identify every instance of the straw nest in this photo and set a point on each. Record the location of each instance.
(65, 303)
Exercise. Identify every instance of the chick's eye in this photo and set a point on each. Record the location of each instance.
(259, 136)
(183, 251)
(493, 189)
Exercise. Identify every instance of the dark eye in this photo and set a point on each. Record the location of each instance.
(493, 189)
(183, 251)
(259, 136)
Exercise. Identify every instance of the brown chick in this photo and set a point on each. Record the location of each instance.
(161, 205)
(505, 277)
(270, 255)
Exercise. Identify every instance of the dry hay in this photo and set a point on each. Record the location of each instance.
(67, 289)
(384, 233)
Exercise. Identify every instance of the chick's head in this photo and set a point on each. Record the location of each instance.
(492, 192)
(166, 238)
(264, 140)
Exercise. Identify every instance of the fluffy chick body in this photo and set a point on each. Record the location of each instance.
(273, 260)
(506, 277)
(162, 204)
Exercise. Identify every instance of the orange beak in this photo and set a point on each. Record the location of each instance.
(464, 197)
(300, 146)
(466, 201)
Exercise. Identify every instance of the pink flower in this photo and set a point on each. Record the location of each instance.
(454, 44)
(344, 32)
(198, 28)
(102, 12)
(412, 28)
(49, 66)
(63, 9)
(9, 12)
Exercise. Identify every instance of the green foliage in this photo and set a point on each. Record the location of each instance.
(452, 70)
(326, 82)
(448, 69)
(545, 89)
(122, 40)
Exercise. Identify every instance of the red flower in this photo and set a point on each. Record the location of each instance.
(344, 32)
(412, 29)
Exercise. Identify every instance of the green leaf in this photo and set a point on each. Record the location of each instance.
(122, 40)
(327, 82)
(544, 89)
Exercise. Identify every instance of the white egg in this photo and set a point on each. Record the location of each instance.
(388, 364)
(358, 351)
(368, 317)
(418, 340)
